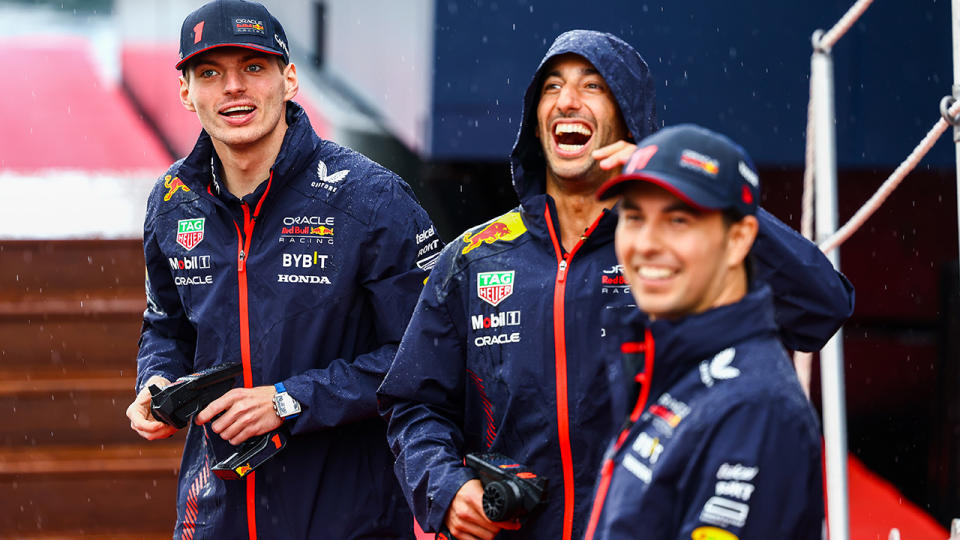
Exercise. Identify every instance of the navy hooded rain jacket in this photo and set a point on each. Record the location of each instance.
(309, 281)
(502, 351)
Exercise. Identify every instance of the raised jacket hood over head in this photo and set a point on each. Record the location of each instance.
(624, 71)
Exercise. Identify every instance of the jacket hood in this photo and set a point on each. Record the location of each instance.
(624, 71)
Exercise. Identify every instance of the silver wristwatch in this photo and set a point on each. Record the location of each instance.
(283, 403)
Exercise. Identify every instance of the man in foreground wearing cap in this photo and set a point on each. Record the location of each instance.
(501, 354)
(721, 442)
(296, 257)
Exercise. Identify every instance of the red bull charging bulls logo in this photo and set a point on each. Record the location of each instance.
(507, 227)
(173, 183)
(307, 229)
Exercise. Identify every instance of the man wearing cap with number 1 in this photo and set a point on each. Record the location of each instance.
(721, 442)
(296, 257)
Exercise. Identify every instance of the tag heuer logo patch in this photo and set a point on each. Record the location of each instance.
(493, 287)
(190, 232)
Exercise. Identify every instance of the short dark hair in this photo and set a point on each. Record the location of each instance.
(731, 216)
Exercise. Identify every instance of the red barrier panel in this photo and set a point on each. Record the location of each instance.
(58, 113)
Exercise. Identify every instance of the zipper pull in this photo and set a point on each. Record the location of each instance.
(562, 273)
(240, 260)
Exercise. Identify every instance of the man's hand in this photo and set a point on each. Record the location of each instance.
(465, 518)
(247, 412)
(614, 155)
(141, 418)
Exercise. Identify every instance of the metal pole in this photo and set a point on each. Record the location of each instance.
(831, 357)
(955, 26)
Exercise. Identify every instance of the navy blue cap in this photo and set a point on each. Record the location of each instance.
(231, 23)
(703, 168)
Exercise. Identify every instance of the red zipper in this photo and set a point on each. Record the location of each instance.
(560, 348)
(606, 474)
(243, 254)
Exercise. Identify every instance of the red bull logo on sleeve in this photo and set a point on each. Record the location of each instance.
(507, 227)
(173, 184)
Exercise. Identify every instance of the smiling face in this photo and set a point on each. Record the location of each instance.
(239, 95)
(576, 114)
(680, 260)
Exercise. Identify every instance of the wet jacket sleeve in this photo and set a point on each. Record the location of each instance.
(391, 280)
(167, 338)
(758, 476)
(811, 299)
(422, 399)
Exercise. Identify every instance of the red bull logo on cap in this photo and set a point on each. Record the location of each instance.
(699, 162)
(173, 184)
(507, 227)
(248, 26)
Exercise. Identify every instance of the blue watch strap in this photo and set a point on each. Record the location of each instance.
(280, 388)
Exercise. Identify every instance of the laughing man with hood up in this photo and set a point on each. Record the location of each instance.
(502, 353)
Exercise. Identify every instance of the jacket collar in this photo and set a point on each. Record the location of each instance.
(687, 341)
(535, 213)
(298, 145)
(679, 345)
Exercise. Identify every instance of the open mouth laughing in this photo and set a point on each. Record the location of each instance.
(571, 138)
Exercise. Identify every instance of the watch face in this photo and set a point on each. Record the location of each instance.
(286, 405)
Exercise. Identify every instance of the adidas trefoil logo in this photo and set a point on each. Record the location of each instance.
(719, 368)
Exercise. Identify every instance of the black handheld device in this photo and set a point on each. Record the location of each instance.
(179, 402)
(251, 454)
(510, 490)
